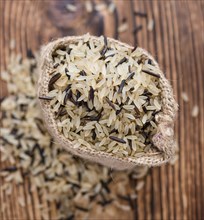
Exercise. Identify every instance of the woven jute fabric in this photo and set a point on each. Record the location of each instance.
(163, 139)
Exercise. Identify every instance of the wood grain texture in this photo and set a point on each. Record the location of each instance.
(177, 42)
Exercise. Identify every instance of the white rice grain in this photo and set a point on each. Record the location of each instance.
(195, 111)
(150, 25)
(123, 27)
(88, 5)
(184, 96)
(71, 7)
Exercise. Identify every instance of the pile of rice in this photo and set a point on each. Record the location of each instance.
(76, 186)
(105, 96)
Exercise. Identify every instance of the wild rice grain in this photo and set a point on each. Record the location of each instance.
(151, 73)
(137, 29)
(9, 169)
(45, 98)
(56, 65)
(111, 104)
(105, 47)
(119, 140)
(130, 76)
(134, 49)
(121, 61)
(53, 80)
(121, 86)
(91, 94)
(82, 73)
(140, 14)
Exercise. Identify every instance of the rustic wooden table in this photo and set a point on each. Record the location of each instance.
(177, 42)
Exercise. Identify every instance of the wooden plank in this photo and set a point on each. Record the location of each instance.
(170, 192)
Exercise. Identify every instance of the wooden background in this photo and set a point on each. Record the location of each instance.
(177, 42)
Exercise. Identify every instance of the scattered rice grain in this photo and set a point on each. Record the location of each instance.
(195, 111)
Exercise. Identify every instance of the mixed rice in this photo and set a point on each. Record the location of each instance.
(105, 96)
(75, 185)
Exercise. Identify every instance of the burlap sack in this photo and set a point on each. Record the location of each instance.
(163, 139)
